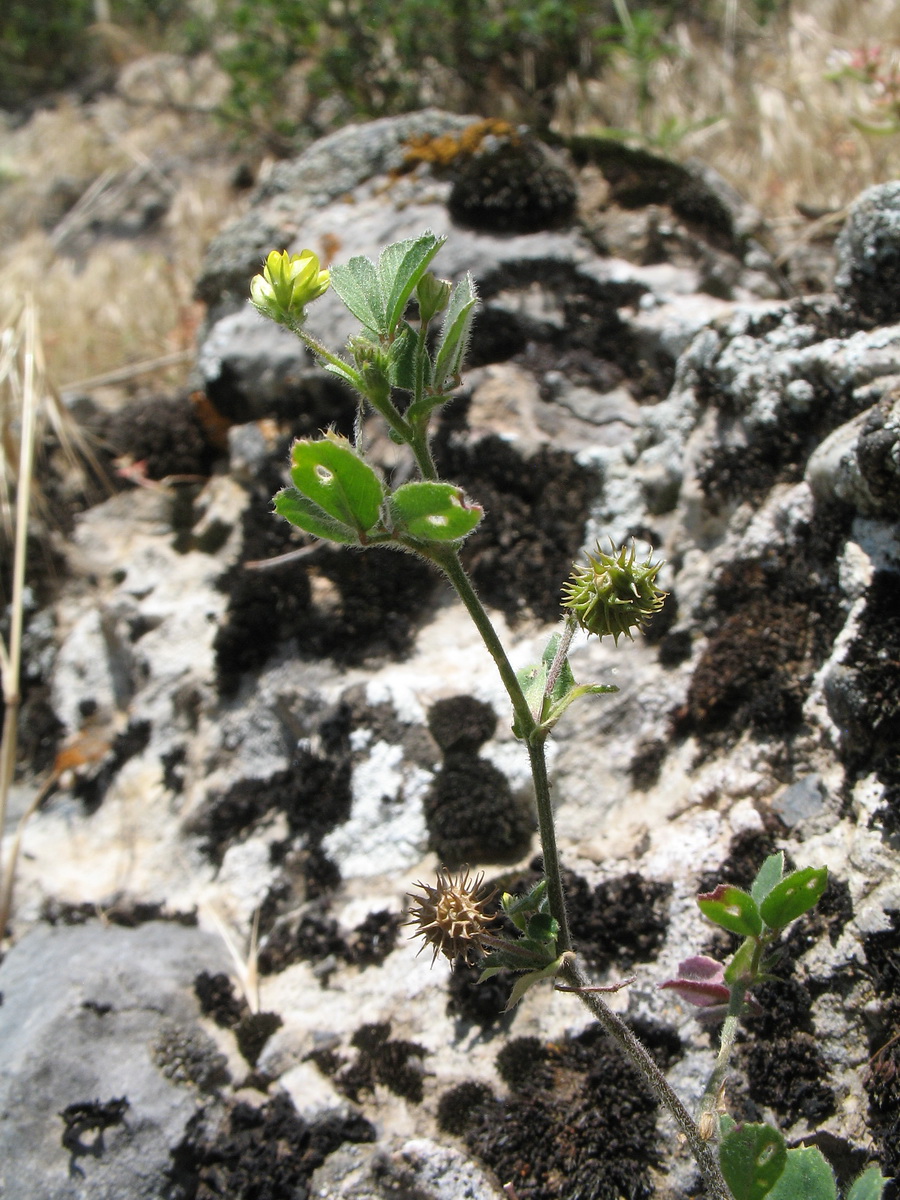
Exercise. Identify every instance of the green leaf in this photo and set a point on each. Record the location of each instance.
(358, 285)
(433, 512)
(520, 909)
(794, 896)
(312, 519)
(454, 340)
(525, 982)
(425, 405)
(553, 711)
(868, 1186)
(752, 1158)
(733, 909)
(548, 709)
(741, 967)
(402, 359)
(768, 875)
(344, 371)
(331, 474)
(400, 268)
(543, 928)
(806, 1176)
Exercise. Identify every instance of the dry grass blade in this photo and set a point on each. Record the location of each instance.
(21, 387)
(30, 411)
(21, 355)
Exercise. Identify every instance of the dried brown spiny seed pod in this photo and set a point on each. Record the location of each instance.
(450, 917)
(613, 593)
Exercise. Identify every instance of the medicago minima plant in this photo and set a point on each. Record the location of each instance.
(404, 370)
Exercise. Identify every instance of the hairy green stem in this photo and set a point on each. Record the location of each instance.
(534, 740)
(704, 1151)
(726, 1045)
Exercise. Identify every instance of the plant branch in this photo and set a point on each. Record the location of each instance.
(704, 1152)
(534, 740)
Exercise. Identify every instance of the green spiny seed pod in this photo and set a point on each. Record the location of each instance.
(613, 593)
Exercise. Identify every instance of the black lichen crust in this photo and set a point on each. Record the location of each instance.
(513, 188)
(313, 793)
(863, 695)
(393, 1062)
(882, 1082)
(380, 597)
(317, 936)
(474, 1003)
(472, 815)
(217, 999)
(743, 464)
(461, 723)
(165, 434)
(581, 1126)
(772, 622)
(590, 343)
(620, 921)
(266, 1153)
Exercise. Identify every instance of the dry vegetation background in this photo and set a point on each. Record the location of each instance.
(784, 108)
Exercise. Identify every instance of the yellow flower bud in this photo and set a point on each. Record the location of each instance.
(287, 284)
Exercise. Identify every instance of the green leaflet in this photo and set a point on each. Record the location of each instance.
(794, 896)
(454, 339)
(806, 1175)
(358, 285)
(767, 876)
(868, 1186)
(433, 512)
(733, 909)
(333, 476)
(400, 268)
(312, 519)
(752, 1158)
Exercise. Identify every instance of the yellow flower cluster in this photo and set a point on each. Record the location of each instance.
(288, 283)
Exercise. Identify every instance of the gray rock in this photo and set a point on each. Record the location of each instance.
(800, 801)
(868, 255)
(94, 1019)
(331, 168)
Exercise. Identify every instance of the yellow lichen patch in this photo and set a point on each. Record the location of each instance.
(441, 150)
